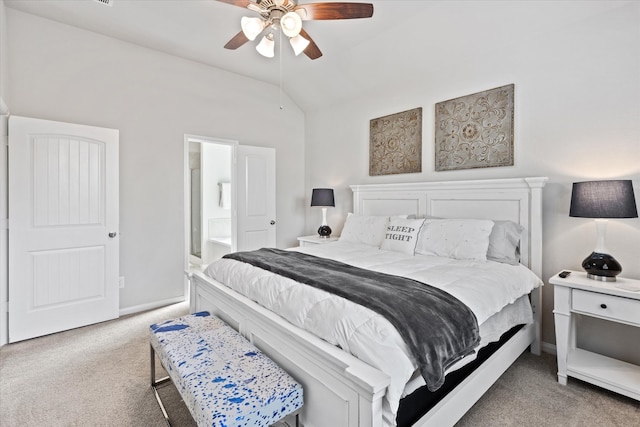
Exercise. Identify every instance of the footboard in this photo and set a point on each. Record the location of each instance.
(339, 389)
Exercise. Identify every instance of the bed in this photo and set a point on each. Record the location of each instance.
(343, 390)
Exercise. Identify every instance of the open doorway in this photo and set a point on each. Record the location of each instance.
(229, 199)
(209, 209)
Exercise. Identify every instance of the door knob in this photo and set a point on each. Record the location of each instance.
(113, 234)
(272, 222)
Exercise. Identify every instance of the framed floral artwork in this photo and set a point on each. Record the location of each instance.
(475, 131)
(395, 143)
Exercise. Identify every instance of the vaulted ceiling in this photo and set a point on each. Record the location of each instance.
(402, 41)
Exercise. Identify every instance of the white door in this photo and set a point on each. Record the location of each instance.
(63, 226)
(256, 197)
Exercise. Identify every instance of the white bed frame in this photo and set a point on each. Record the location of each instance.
(343, 391)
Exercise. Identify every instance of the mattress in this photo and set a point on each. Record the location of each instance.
(495, 292)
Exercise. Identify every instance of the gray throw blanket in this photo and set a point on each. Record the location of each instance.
(437, 327)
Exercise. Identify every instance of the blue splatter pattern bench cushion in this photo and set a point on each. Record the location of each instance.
(223, 379)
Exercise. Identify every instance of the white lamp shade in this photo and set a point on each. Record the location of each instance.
(291, 24)
(266, 47)
(251, 27)
(299, 44)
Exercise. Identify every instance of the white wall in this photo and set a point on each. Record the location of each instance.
(59, 72)
(577, 117)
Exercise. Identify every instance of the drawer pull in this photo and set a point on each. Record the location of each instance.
(603, 305)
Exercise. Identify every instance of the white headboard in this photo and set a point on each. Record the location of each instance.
(515, 199)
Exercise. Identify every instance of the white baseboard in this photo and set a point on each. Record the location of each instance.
(122, 312)
(548, 348)
(150, 306)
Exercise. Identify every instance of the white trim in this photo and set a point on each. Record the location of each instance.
(4, 110)
(150, 306)
(207, 139)
(495, 184)
(4, 224)
(549, 348)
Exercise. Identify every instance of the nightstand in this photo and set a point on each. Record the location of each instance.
(315, 240)
(577, 294)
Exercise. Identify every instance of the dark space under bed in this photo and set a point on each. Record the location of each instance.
(421, 401)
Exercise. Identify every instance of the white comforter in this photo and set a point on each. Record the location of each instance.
(486, 287)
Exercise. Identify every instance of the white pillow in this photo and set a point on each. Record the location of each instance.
(504, 242)
(366, 229)
(402, 235)
(455, 238)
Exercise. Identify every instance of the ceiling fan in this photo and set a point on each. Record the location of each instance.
(287, 15)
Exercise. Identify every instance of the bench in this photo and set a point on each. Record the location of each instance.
(224, 380)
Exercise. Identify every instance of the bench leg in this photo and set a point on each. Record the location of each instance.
(297, 419)
(155, 383)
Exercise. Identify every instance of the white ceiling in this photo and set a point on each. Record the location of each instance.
(402, 38)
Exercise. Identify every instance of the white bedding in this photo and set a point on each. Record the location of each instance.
(486, 287)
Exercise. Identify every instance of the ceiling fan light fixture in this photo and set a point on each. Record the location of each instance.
(301, 11)
(299, 44)
(291, 24)
(287, 16)
(251, 27)
(266, 47)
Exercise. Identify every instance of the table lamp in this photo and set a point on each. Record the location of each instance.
(602, 200)
(323, 197)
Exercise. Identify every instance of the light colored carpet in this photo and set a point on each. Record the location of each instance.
(528, 394)
(92, 376)
(99, 376)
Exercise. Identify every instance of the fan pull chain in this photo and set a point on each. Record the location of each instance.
(280, 61)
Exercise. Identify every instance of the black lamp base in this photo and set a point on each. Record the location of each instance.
(324, 232)
(601, 267)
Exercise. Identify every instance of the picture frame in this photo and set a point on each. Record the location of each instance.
(395, 143)
(475, 131)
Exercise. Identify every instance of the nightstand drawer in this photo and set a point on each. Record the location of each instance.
(607, 306)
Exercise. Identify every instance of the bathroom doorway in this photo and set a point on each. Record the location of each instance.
(209, 180)
(229, 199)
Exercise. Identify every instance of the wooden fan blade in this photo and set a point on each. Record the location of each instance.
(324, 11)
(247, 4)
(312, 51)
(237, 41)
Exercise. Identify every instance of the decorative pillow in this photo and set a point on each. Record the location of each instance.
(455, 238)
(402, 235)
(365, 229)
(504, 242)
